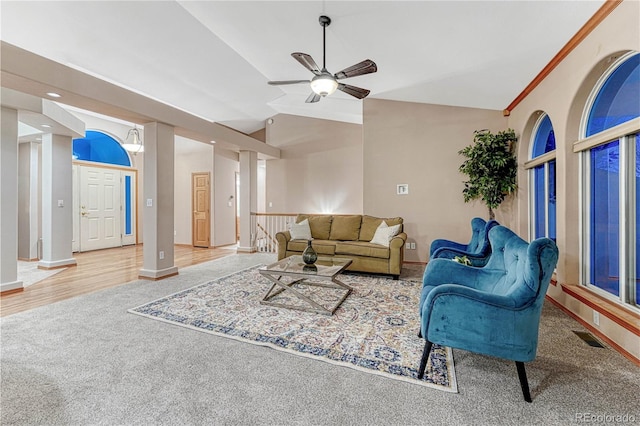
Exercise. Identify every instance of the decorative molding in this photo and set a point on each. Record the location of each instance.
(582, 33)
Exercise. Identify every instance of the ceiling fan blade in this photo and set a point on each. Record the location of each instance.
(313, 97)
(307, 62)
(354, 91)
(281, 82)
(365, 67)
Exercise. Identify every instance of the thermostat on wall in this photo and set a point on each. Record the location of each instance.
(403, 189)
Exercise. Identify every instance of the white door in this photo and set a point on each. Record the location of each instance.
(100, 208)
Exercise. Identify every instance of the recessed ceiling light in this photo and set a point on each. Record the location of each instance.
(53, 94)
(45, 125)
(213, 141)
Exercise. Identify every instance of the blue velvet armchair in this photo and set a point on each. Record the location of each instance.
(494, 310)
(477, 250)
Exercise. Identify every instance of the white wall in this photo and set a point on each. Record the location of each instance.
(226, 164)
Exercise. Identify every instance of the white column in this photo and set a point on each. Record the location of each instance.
(57, 202)
(248, 199)
(9, 201)
(28, 201)
(158, 202)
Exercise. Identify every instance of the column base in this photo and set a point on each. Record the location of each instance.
(11, 287)
(54, 264)
(246, 250)
(148, 274)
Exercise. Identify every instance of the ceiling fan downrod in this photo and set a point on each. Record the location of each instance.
(325, 21)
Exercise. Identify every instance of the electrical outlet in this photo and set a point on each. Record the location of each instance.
(413, 246)
(161, 255)
(596, 318)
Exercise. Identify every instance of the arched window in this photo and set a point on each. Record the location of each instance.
(542, 176)
(100, 148)
(611, 178)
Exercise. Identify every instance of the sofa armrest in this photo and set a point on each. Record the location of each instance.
(283, 238)
(396, 253)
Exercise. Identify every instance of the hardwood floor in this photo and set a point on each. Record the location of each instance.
(95, 271)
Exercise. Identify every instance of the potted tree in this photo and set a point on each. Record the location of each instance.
(491, 166)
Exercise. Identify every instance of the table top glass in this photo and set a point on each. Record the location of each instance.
(324, 266)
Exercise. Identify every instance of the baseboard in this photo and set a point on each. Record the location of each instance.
(595, 331)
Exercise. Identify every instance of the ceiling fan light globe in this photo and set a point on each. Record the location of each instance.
(324, 85)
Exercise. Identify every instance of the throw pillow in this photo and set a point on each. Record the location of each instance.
(385, 233)
(300, 231)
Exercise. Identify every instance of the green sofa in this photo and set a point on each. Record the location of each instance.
(349, 236)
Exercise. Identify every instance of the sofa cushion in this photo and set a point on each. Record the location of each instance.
(322, 247)
(345, 228)
(370, 224)
(320, 225)
(361, 248)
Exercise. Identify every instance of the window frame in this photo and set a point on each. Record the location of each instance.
(530, 166)
(626, 134)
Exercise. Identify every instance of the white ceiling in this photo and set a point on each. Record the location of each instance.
(214, 58)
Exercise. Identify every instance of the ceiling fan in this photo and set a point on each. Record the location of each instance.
(324, 83)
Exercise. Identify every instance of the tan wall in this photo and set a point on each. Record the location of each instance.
(226, 164)
(563, 96)
(418, 144)
(320, 169)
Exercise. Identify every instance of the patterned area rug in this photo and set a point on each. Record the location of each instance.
(374, 330)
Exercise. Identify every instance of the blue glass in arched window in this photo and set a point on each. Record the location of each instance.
(100, 148)
(618, 100)
(545, 140)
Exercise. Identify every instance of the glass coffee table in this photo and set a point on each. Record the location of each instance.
(300, 286)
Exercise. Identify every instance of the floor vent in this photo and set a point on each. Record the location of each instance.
(589, 339)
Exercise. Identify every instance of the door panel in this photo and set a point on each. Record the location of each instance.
(99, 208)
(200, 191)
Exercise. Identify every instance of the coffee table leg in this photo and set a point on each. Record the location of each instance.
(288, 286)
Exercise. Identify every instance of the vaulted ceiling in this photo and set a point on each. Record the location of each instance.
(213, 58)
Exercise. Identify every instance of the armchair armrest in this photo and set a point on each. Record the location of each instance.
(481, 322)
(283, 238)
(440, 243)
(477, 260)
(444, 271)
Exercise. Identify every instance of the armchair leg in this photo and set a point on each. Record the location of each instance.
(524, 383)
(425, 358)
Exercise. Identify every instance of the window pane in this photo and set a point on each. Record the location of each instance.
(617, 100)
(538, 207)
(127, 205)
(544, 140)
(552, 200)
(605, 193)
(101, 148)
